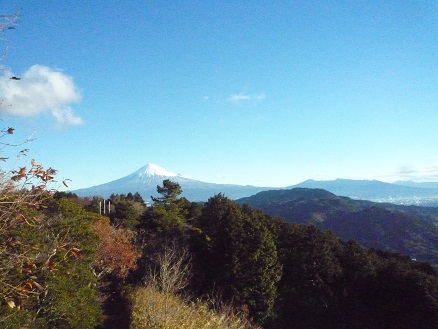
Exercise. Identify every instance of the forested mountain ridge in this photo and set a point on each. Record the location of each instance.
(409, 230)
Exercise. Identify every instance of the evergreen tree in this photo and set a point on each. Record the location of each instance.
(306, 293)
(170, 192)
(168, 212)
(239, 257)
(125, 211)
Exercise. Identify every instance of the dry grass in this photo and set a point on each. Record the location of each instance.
(157, 305)
(153, 309)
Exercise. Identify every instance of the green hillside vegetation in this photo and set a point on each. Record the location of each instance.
(408, 230)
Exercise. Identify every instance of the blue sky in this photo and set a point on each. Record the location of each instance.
(266, 93)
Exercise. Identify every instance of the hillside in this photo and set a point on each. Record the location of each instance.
(409, 230)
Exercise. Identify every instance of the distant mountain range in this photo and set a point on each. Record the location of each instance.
(402, 192)
(146, 179)
(409, 230)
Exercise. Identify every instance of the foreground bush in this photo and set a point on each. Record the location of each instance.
(60, 289)
(152, 308)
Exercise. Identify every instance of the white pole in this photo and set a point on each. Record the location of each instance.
(104, 210)
(109, 207)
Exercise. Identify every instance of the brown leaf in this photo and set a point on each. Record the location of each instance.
(51, 171)
(17, 177)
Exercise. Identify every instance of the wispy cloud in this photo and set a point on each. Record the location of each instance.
(429, 173)
(40, 89)
(65, 117)
(243, 97)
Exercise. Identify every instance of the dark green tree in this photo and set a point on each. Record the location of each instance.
(170, 192)
(310, 269)
(238, 256)
(125, 211)
(95, 204)
(331, 284)
(138, 198)
(168, 213)
(398, 293)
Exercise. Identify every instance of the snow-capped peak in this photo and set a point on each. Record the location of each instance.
(155, 170)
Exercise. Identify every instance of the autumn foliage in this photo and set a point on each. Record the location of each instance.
(116, 253)
(22, 193)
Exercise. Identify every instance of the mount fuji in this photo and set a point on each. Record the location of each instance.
(146, 179)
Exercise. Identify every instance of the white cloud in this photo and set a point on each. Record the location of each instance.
(39, 90)
(243, 97)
